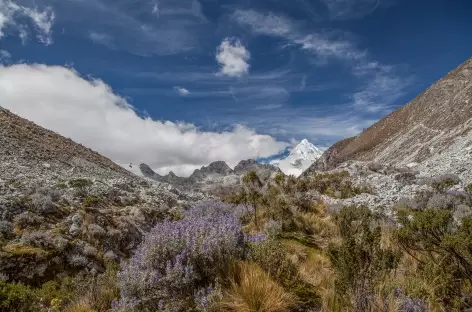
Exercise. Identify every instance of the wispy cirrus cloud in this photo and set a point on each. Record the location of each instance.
(101, 38)
(352, 9)
(381, 85)
(12, 17)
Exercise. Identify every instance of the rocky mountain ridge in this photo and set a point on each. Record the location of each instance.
(214, 178)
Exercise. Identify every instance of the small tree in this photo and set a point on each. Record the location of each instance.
(359, 260)
(252, 186)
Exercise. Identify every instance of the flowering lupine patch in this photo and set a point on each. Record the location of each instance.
(178, 261)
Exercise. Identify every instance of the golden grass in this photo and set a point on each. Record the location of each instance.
(79, 307)
(252, 290)
(20, 249)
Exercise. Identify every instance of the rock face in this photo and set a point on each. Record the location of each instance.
(216, 178)
(63, 205)
(432, 132)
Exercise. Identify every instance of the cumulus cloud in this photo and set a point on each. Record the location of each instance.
(11, 15)
(233, 58)
(182, 91)
(89, 112)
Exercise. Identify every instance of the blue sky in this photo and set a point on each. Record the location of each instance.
(321, 70)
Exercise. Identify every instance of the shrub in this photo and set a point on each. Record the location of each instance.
(359, 260)
(77, 260)
(42, 204)
(443, 182)
(54, 194)
(441, 201)
(80, 183)
(253, 290)
(405, 177)
(180, 258)
(91, 201)
(27, 220)
(442, 246)
(271, 257)
(6, 229)
(44, 240)
(16, 297)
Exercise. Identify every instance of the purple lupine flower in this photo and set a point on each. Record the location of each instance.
(178, 256)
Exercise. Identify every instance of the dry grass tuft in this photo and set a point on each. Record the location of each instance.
(252, 290)
(79, 307)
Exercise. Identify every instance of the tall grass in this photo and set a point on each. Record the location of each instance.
(252, 290)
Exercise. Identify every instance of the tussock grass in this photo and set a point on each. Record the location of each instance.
(253, 290)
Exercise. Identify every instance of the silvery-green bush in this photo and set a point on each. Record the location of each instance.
(176, 266)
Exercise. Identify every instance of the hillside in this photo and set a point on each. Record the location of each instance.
(67, 209)
(433, 130)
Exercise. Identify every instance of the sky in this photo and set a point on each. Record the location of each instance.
(180, 83)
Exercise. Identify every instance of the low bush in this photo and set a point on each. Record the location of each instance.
(91, 201)
(178, 259)
(42, 204)
(80, 183)
(17, 297)
(444, 182)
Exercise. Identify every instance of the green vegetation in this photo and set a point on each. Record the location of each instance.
(16, 297)
(80, 183)
(91, 201)
(293, 253)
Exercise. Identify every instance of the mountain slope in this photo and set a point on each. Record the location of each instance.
(299, 158)
(65, 208)
(433, 130)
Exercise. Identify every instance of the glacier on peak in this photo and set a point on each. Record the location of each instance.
(296, 160)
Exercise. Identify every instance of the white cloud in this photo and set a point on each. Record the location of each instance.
(90, 113)
(351, 9)
(381, 84)
(324, 47)
(233, 58)
(11, 15)
(101, 38)
(181, 91)
(5, 56)
(155, 9)
(265, 24)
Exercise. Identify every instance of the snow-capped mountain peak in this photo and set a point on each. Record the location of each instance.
(298, 159)
(306, 151)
